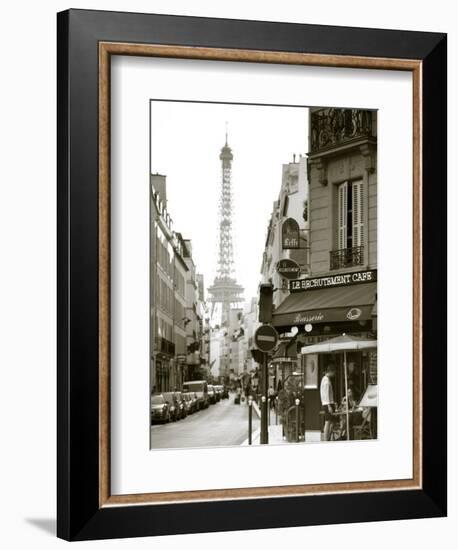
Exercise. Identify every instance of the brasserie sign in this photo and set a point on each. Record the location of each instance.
(339, 279)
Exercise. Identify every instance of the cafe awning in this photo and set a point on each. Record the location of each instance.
(286, 352)
(327, 305)
(341, 344)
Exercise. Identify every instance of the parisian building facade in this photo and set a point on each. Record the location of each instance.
(292, 203)
(337, 292)
(177, 306)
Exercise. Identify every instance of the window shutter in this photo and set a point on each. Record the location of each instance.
(358, 219)
(342, 216)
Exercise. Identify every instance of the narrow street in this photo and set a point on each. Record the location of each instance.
(222, 424)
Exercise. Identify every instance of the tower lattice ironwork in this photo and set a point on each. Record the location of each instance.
(225, 289)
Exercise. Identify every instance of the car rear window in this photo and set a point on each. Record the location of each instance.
(196, 386)
(157, 400)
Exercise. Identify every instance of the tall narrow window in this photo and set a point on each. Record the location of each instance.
(342, 216)
(350, 226)
(350, 219)
(357, 213)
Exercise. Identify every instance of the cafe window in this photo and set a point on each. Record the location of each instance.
(350, 214)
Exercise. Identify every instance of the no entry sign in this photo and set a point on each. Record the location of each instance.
(266, 338)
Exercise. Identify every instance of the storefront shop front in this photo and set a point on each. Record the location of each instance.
(321, 309)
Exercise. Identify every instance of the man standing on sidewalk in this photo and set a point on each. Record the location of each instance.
(327, 399)
(271, 394)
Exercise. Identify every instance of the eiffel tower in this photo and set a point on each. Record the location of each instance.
(225, 291)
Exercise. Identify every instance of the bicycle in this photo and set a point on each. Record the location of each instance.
(337, 431)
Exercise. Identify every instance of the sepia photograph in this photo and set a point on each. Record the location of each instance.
(231, 355)
(263, 274)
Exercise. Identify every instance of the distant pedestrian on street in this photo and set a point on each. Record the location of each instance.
(327, 400)
(271, 393)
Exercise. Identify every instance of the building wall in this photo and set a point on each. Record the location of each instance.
(291, 203)
(192, 324)
(162, 296)
(215, 354)
(372, 218)
(168, 275)
(348, 161)
(233, 343)
(161, 277)
(180, 307)
(250, 324)
(320, 223)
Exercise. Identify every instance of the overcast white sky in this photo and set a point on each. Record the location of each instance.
(186, 139)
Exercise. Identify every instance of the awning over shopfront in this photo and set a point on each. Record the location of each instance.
(374, 309)
(286, 352)
(327, 305)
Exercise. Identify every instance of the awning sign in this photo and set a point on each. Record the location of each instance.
(287, 268)
(331, 315)
(339, 279)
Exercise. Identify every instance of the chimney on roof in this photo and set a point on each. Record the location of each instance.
(188, 245)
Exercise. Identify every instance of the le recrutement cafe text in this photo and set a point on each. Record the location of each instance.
(321, 308)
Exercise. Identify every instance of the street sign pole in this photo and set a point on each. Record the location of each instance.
(265, 339)
(264, 402)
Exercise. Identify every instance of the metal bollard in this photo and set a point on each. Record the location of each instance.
(264, 421)
(250, 419)
(297, 419)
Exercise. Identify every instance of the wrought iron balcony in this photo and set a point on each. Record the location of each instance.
(346, 257)
(332, 127)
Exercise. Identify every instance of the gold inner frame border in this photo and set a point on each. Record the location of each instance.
(106, 50)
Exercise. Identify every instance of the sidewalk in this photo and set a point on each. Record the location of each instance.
(275, 436)
(275, 431)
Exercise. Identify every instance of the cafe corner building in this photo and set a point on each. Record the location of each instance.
(338, 296)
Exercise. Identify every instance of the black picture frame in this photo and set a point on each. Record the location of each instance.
(79, 514)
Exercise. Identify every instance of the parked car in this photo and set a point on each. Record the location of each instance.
(172, 402)
(160, 411)
(190, 402)
(182, 411)
(195, 400)
(211, 394)
(220, 391)
(217, 392)
(200, 388)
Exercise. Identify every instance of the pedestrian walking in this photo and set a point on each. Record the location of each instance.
(271, 394)
(327, 399)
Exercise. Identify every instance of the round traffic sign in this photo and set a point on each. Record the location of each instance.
(265, 338)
